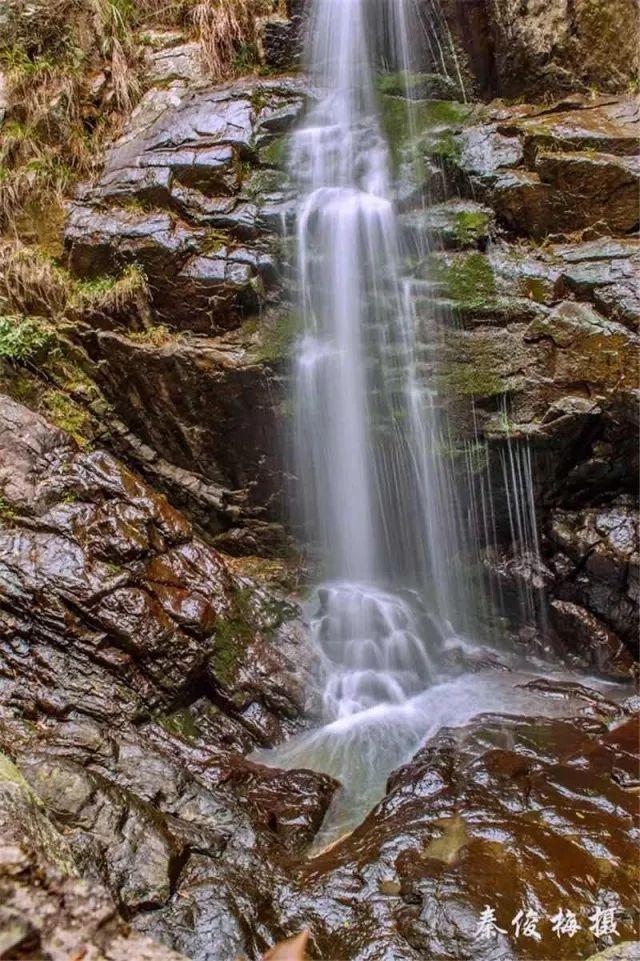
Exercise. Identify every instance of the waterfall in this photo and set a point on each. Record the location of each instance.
(379, 508)
(366, 426)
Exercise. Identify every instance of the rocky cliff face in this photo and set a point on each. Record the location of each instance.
(195, 194)
(136, 671)
(535, 49)
(538, 264)
(147, 646)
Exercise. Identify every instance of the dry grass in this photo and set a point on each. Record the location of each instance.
(223, 26)
(58, 119)
(112, 294)
(31, 283)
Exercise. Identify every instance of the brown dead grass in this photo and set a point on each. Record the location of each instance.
(74, 71)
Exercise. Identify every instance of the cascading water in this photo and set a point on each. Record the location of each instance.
(378, 504)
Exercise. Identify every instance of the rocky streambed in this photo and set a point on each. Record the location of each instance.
(151, 632)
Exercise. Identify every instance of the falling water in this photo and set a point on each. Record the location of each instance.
(378, 504)
(366, 425)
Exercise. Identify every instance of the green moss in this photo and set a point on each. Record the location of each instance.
(8, 513)
(9, 772)
(230, 639)
(232, 635)
(470, 225)
(401, 83)
(444, 145)
(22, 388)
(181, 723)
(21, 338)
(433, 123)
(468, 279)
(67, 415)
(263, 182)
(278, 338)
(274, 154)
(470, 380)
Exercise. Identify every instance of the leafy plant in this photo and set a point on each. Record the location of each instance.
(22, 337)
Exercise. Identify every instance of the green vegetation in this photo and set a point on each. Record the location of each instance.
(57, 121)
(67, 415)
(470, 379)
(8, 513)
(181, 723)
(468, 279)
(416, 86)
(21, 338)
(274, 153)
(110, 292)
(279, 336)
(471, 457)
(424, 127)
(470, 225)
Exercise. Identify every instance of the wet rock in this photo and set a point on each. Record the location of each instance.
(591, 639)
(484, 151)
(480, 817)
(554, 170)
(557, 47)
(608, 127)
(195, 194)
(125, 606)
(44, 904)
(212, 409)
(605, 272)
(628, 951)
(279, 40)
(596, 187)
(291, 805)
(177, 63)
(453, 224)
(601, 546)
(135, 668)
(587, 339)
(186, 150)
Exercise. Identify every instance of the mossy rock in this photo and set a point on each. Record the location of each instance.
(470, 226)
(180, 723)
(470, 379)
(468, 279)
(23, 820)
(275, 153)
(277, 336)
(423, 126)
(418, 86)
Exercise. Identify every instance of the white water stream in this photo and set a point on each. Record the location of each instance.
(379, 505)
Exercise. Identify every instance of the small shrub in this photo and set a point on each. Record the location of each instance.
(21, 338)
